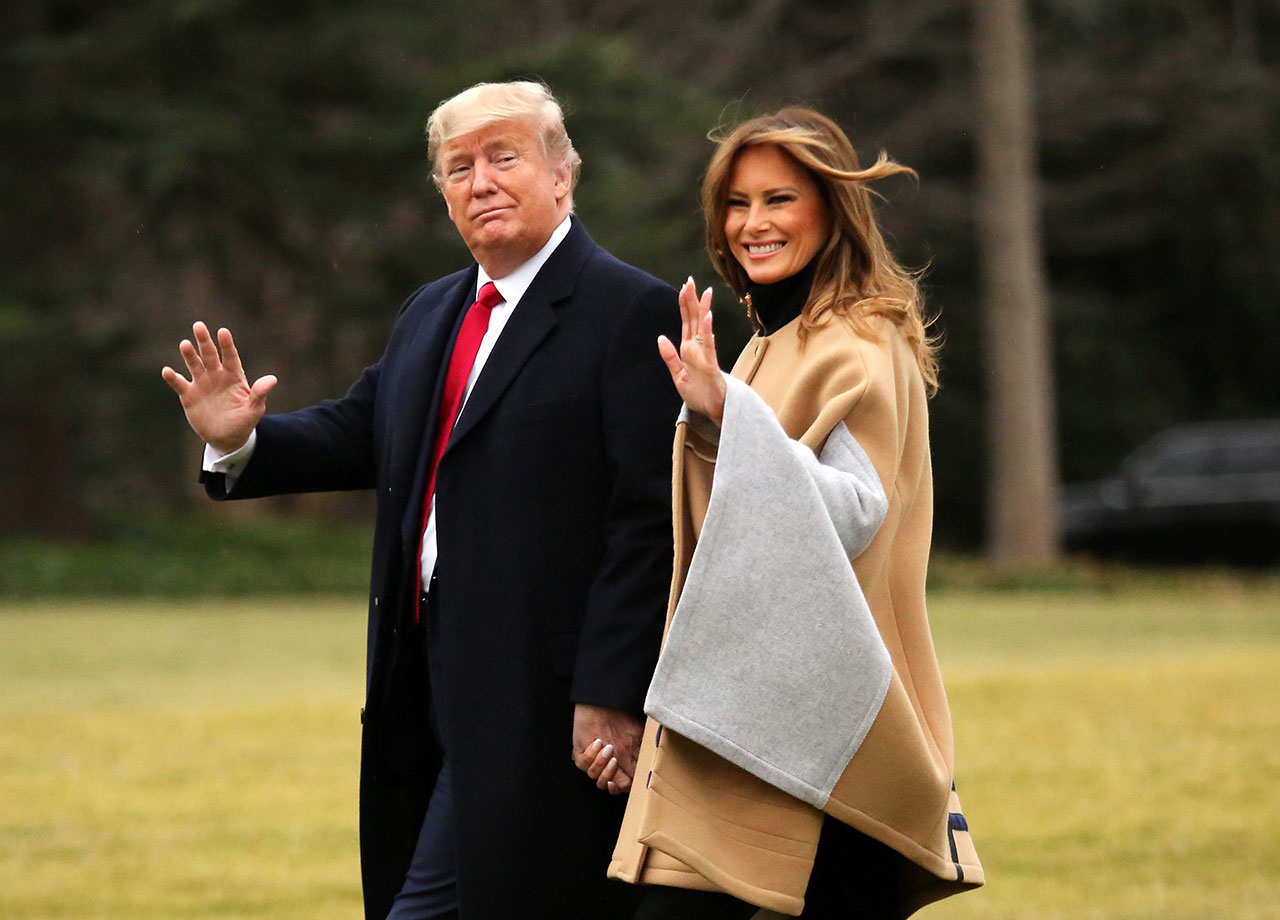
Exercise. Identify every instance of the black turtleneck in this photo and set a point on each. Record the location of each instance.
(775, 305)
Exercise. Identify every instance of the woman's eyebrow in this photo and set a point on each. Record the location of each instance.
(768, 191)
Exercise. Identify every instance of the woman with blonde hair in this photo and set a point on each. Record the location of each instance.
(798, 752)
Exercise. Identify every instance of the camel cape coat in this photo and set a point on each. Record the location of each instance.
(792, 682)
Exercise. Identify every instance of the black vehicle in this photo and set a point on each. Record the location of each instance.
(1203, 492)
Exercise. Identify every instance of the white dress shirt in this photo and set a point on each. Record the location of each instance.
(512, 287)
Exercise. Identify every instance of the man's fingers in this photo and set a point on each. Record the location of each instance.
(204, 342)
(261, 387)
(191, 357)
(230, 357)
(176, 381)
(627, 758)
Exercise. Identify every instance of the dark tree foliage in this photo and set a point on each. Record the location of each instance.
(261, 165)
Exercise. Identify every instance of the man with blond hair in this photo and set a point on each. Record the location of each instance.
(516, 430)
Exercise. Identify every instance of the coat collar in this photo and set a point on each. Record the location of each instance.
(531, 322)
(418, 394)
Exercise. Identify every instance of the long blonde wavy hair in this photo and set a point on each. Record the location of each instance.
(856, 275)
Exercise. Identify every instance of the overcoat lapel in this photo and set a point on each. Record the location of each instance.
(418, 402)
(532, 321)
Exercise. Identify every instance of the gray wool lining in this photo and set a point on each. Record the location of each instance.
(773, 660)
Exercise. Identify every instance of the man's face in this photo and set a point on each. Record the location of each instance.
(502, 195)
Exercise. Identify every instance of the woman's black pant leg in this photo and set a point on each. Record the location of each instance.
(663, 903)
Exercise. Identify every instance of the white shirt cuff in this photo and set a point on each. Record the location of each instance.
(232, 464)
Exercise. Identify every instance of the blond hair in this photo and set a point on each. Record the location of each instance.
(483, 104)
(856, 275)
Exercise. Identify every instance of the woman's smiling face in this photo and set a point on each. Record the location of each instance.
(776, 219)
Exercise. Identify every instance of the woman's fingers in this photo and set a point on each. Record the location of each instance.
(695, 317)
(707, 334)
(620, 783)
(694, 366)
(614, 779)
(670, 355)
(695, 312)
(704, 307)
(688, 310)
(583, 759)
(607, 774)
(601, 762)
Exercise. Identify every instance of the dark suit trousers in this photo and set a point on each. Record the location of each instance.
(431, 885)
(662, 903)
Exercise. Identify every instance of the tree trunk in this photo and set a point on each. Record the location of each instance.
(1022, 480)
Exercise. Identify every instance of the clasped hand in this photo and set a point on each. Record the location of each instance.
(606, 744)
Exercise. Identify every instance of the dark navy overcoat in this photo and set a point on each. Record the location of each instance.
(554, 532)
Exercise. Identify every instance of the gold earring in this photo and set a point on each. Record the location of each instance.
(758, 326)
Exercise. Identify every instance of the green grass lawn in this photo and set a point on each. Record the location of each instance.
(1118, 750)
(162, 760)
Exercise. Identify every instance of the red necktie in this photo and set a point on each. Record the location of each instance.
(474, 326)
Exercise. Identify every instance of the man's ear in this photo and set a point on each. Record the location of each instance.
(564, 181)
